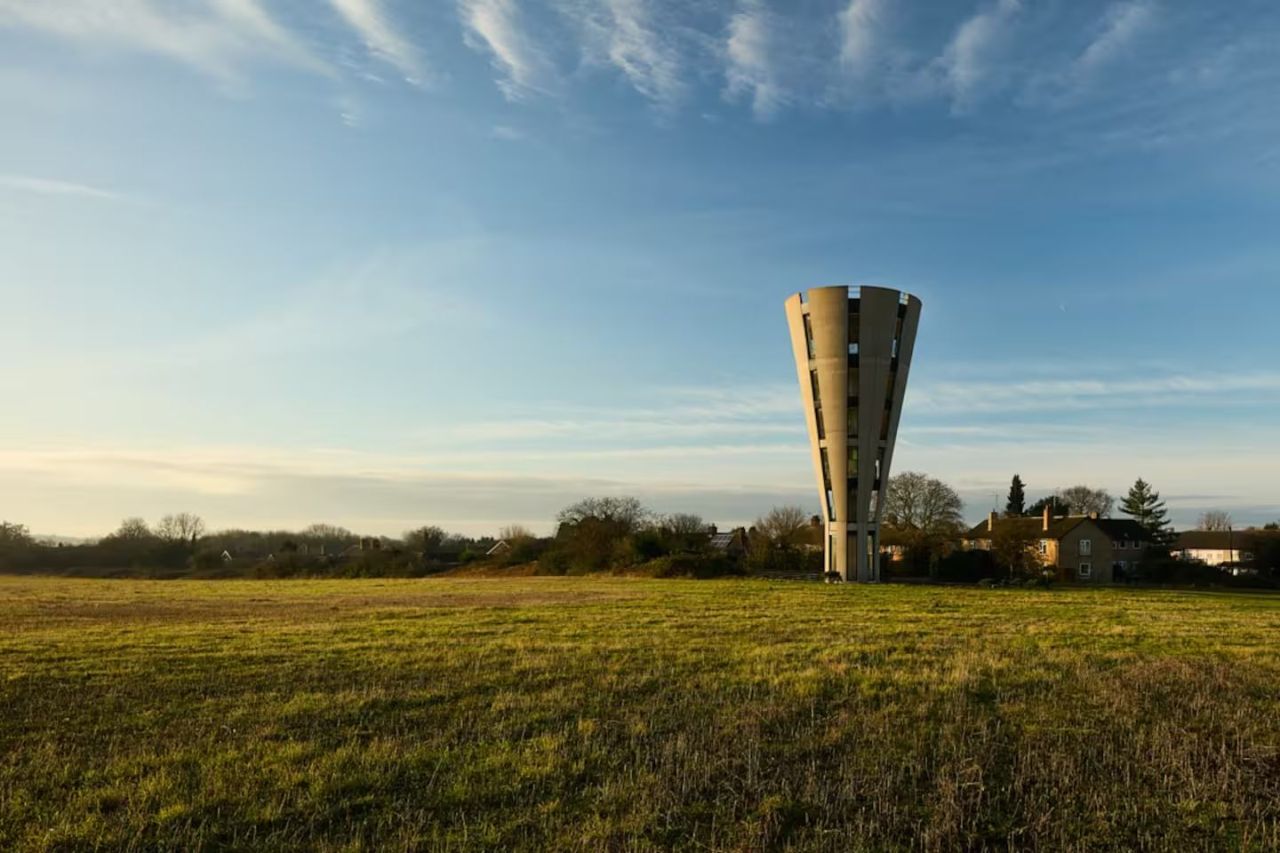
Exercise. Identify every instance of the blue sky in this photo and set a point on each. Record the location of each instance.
(384, 263)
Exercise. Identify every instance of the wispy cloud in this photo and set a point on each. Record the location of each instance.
(635, 46)
(382, 39)
(507, 133)
(1086, 393)
(46, 186)
(272, 487)
(750, 68)
(860, 23)
(1120, 27)
(496, 27)
(967, 64)
(217, 41)
(1122, 23)
(249, 17)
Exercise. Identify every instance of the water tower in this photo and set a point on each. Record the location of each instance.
(853, 350)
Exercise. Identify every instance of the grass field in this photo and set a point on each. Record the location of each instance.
(592, 714)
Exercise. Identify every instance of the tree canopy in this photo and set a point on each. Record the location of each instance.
(1214, 519)
(1144, 506)
(1017, 502)
(1085, 500)
(626, 512)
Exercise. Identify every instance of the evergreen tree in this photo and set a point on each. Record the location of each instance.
(1144, 506)
(1057, 506)
(1017, 503)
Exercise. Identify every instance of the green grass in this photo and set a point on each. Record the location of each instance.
(593, 713)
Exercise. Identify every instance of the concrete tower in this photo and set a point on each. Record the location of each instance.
(853, 349)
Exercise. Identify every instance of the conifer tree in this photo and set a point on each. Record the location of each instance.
(1017, 503)
(1144, 506)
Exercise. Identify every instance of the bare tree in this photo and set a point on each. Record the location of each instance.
(328, 532)
(426, 539)
(132, 528)
(181, 527)
(515, 533)
(14, 534)
(684, 524)
(623, 513)
(1013, 549)
(783, 526)
(1215, 519)
(916, 501)
(1084, 500)
(926, 512)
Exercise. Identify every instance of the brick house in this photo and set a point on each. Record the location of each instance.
(1082, 548)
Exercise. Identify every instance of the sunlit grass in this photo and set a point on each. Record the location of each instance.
(613, 713)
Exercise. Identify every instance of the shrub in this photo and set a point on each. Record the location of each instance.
(969, 567)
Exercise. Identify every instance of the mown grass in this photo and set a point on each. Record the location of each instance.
(594, 713)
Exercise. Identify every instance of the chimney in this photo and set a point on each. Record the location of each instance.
(1048, 517)
(991, 521)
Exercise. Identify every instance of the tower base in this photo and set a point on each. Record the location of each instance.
(852, 553)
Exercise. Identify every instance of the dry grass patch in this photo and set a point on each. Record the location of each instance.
(610, 713)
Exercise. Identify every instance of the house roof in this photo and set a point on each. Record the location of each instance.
(1032, 527)
(1221, 540)
(1122, 528)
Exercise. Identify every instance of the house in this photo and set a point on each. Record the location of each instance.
(1230, 549)
(1082, 548)
(499, 548)
(732, 544)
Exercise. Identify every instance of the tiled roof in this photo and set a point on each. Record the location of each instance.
(1221, 540)
(1123, 528)
(1032, 527)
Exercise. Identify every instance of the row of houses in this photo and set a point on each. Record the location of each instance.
(1090, 549)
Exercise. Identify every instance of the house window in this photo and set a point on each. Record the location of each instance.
(1086, 547)
(808, 335)
(1085, 571)
(1044, 547)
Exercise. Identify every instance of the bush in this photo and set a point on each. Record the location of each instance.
(786, 560)
(690, 566)
(969, 567)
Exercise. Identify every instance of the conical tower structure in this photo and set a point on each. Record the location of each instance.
(853, 349)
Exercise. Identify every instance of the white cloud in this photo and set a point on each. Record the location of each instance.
(216, 42)
(495, 27)
(636, 48)
(750, 68)
(859, 28)
(1078, 394)
(967, 62)
(46, 186)
(507, 133)
(382, 40)
(86, 488)
(1122, 23)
